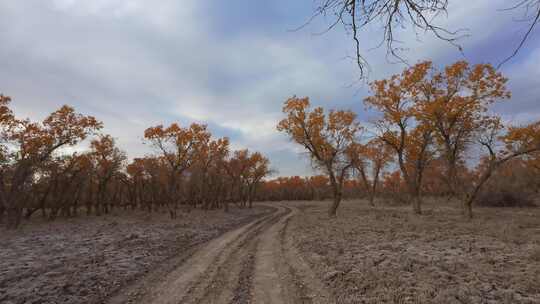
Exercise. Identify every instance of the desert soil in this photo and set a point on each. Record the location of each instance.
(88, 259)
(388, 255)
(288, 252)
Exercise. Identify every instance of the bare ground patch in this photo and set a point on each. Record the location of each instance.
(86, 259)
(388, 255)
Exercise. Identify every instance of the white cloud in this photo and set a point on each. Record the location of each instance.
(137, 63)
(161, 14)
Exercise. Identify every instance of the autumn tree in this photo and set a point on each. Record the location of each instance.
(393, 186)
(148, 182)
(37, 172)
(295, 188)
(258, 167)
(318, 184)
(408, 137)
(533, 163)
(208, 173)
(7, 119)
(60, 186)
(217, 174)
(369, 160)
(292, 188)
(108, 160)
(179, 148)
(27, 145)
(136, 182)
(246, 170)
(454, 102)
(234, 167)
(434, 178)
(447, 112)
(327, 137)
(517, 141)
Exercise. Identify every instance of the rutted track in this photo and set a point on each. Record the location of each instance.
(248, 265)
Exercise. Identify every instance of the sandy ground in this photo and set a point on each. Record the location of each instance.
(388, 255)
(87, 259)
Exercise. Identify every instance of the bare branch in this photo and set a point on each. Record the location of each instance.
(531, 12)
(355, 15)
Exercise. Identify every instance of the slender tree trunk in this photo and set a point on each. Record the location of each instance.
(467, 208)
(332, 212)
(337, 189)
(88, 208)
(372, 198)
(14, 209)
(417, 204)
(374, 185)
(452, 174)
(251, 191)
(14, 214)
(469, 198)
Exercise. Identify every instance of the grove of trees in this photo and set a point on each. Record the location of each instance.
(430, 122)
(43, 170)
(433, 134)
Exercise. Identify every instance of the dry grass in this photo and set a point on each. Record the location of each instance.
(389, 255)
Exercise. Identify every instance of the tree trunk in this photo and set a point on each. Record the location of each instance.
(371, 199)
(336, 187)
(467, 208)
(452, 175)
(14, 215)
(417, 204)
(2, 211)
(332, 212)
(251, 191)
(97, 208)
(469, 198)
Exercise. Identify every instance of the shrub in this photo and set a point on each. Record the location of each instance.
(505, 199)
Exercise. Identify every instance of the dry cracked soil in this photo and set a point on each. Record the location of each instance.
(286, 252)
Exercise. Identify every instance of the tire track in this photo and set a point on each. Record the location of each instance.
(252, 264)
(221, 280)
(308, 288)
(213, 273)
(281, 275)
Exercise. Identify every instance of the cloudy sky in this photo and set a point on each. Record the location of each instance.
(230, 64)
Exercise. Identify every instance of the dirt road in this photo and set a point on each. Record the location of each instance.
(252, 264)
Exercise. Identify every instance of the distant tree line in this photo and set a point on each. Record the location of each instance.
(516, 183)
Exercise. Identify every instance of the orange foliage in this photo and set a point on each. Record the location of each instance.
(327, 138)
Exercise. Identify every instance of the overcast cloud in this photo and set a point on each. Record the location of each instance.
(230, 64)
